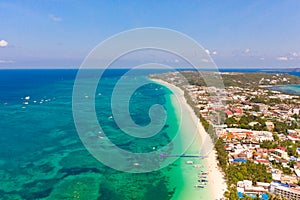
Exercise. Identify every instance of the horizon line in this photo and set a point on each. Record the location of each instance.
(77, 68)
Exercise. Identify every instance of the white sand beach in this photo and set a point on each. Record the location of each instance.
(217, 183)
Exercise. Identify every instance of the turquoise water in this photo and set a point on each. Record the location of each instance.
(42, 157)
(291, 89)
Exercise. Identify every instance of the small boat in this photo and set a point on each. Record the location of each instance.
(198, 166)
(203, 180)
(198, 186)
(189, 162)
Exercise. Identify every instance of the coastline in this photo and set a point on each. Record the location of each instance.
(285, 89)
(267, 86)
(217, 184)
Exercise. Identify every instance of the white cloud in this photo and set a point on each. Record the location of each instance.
(3, 43)
(55, 18)
(214, 53)
(207, 51)
(295, 54)
(7, 61)
(247, 50)
(282, 58)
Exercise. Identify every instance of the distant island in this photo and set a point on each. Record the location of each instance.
(240, 79)
(283, 70)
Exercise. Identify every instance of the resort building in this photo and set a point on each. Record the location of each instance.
(289, 193)
(246, 187)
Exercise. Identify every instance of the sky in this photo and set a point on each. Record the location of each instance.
(237, 34)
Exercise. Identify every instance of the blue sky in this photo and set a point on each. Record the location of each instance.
(237, 33)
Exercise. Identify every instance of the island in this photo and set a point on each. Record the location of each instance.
(258, 140)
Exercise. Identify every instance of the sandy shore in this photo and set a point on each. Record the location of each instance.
(217, 184)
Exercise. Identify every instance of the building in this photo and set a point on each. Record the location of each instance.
(263, 184)
(289, 193)
(281, 154)
(246, 187)
(218, 129)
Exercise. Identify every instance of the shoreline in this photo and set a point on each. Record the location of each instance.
(283, 91)
(217, 184)
(266, 86)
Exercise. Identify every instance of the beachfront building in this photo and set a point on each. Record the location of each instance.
(246, 187)
(285, 191)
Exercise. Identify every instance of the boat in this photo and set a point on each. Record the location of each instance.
(197, 166)
(189, 162)
(198, 186)
(202, 180)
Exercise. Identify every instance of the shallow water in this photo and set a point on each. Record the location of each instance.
(42, 157)
(291, 89)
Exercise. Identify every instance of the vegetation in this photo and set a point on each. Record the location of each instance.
(234, 79)
(243, 122)
(242, 79)
(291, 147)
(222, 154)
(266, 101)
(280, 127)
(243, 171)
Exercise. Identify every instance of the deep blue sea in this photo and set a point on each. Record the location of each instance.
(41, 155)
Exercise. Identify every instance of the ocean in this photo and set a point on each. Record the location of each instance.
(290, 89)
(42, 156)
